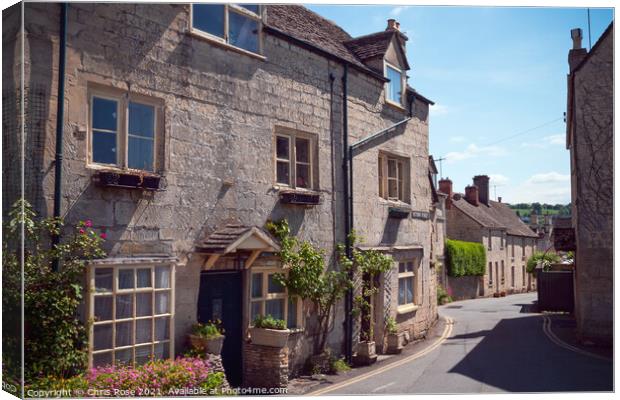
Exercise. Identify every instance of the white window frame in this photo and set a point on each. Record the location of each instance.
(292, 161)
(122, 130)
(92, 294)
(413, 277)
(401, 179)
(387, 65)
(228, 8)
(272, 296)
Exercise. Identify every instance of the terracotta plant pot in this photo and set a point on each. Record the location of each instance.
(269, 337)
(211, 345)
(395, 343)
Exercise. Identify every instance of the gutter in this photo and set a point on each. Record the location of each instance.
(60, 117)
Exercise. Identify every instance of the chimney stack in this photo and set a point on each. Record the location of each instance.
(392, 25)
(482, 183)
(471, 195)
(577, 53)
(499, 199)
(445, 186)
(533, 219)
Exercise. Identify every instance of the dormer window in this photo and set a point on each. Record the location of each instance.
(394, 88)
(235, 25)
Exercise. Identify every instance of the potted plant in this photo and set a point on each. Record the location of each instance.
(208, 337)
(395, 340)
(268, 331)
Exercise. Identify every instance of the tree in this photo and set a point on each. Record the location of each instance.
(55, 339)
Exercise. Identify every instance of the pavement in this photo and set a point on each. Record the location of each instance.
(493, 345)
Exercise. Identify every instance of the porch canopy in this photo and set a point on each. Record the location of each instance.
(233, 238)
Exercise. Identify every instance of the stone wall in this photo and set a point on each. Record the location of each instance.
(220, 109)
(592, 186)
(264, 366)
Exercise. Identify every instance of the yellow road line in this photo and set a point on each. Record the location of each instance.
(555, 339)
(446, 333)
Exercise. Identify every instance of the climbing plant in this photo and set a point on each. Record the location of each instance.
(54, 338)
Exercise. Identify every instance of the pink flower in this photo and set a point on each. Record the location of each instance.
(82, 231)
(103, 235)
(88, 223)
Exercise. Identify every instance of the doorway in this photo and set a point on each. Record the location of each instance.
(220, 298)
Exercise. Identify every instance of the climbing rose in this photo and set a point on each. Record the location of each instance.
(103, 235)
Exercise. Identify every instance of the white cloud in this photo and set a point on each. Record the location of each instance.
(548, 177)
(438, 109)
(396, 11)
(545, 187)
(498, 179)
(473, 151)
(457, 139)
(547, 141)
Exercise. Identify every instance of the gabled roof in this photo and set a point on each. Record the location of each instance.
(374, 45)
(232, 236)
(495, 216)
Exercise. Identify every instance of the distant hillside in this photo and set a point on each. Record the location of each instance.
(525, 209)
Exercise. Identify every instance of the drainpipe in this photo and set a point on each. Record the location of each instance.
(348, 213)
(60, 117)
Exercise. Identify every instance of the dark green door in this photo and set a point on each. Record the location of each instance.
(220, 298)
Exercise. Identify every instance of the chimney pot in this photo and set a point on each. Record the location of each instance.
(575, 34)
(482, 183)
(445, 186)
(471, 195)
(499, 199)
(392, 25)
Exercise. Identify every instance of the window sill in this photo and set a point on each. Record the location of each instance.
(226, 46)
(395, 203)
(395, 105)
(406, 309)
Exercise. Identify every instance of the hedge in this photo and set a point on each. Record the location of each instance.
(465, 258)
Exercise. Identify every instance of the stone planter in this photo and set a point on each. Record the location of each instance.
(269, 337)
(211, 345)
(395, 343)
(366, 354)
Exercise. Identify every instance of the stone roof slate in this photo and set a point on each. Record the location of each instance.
(370, 46)
(222, 238)
(495, 215)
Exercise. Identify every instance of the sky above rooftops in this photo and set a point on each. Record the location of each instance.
(498, 78)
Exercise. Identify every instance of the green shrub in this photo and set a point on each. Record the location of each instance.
(209, 330)
(546, 258)
(442, 296)
(465, 258)
(338, 365)
(269, 322)
(391, 326)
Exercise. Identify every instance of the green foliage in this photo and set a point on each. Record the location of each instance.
(546, 258)
(210, 330)
(390, 326)
(55, 339)
(465, 258)
(269, 322)
(442, 296)
(309, 279)
(338, 365)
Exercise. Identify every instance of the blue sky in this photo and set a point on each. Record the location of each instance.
(493, 72)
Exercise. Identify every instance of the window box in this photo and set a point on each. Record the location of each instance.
(129, 179)
(269, 337)
(398, 213)
(301, 198)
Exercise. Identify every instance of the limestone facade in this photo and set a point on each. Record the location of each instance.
(218, 112)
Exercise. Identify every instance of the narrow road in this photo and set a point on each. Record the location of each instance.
(496, 345)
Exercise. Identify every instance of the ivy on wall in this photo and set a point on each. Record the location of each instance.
(465, 258)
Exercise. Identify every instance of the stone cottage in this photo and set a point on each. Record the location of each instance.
(474, 217)
(590, 140)
(185, 129)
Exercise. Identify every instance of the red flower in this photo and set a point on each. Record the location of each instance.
(82, 231)
(88, 223)
(103, 235)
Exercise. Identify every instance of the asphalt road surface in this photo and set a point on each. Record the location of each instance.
(496, 345)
